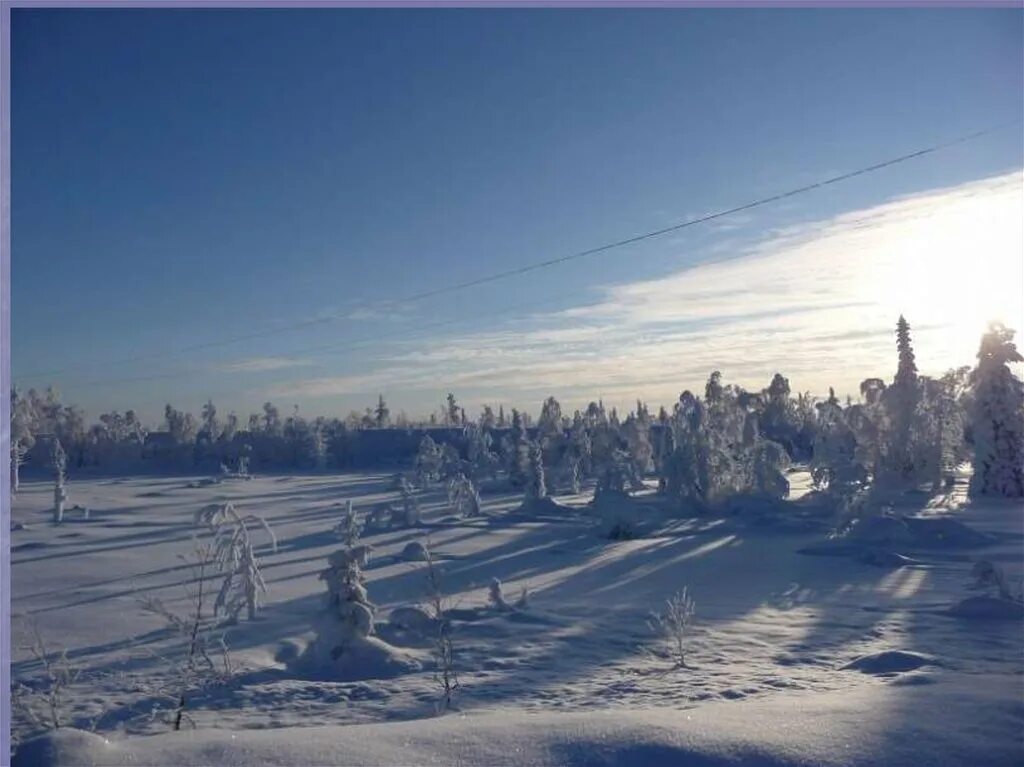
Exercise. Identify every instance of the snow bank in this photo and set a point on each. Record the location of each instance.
(988, 608)
(895, 726)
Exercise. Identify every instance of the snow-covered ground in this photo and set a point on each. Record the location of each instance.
(577, 676)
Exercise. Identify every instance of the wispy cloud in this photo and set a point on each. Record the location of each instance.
(260, 364)
(817, 302)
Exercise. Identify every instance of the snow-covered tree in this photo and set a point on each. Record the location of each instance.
(636, 430)
(535, 488)
(550, 432)
(381, 416)
(834, 465)
(59, 462)
(347, 601)
(210, 424)
(349, 529)
(463, 497)
(901, 402)
(428, 462)
(487, 419)
(482, 460)
(997, 417)
(234, 555)
(410, 506)
(452, 416)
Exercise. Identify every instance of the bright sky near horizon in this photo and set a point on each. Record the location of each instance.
(183, 177)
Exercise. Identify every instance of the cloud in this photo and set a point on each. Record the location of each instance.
(817, 302)
(260, 364)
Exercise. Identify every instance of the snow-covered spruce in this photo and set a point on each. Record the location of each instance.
(345, 648)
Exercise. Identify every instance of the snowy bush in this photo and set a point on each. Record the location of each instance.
(205, 660)
(445, 672)
(496, 595)
(44, 704)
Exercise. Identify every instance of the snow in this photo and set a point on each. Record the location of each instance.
(576, 676)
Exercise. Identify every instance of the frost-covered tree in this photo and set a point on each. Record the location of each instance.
(535, 488)
(451, 411)
(22, 438)
(231, 427)
(516, 451)
(901, 402)
(272, 425)
(347, 601)
(997, 417)
(938, 445)
(59, 462)
(242, 586)
(835, 464)
(636, 431)
(381, 416)
(487, 419)
(482, 460)
(349, 529)
(210, 424)
(181, 426)
(550, 432)
(463, 496)
(428, 462)
(410, 506)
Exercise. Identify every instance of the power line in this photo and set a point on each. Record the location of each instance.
(527, 268)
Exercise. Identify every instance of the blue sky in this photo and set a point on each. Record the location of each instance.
(184, 177)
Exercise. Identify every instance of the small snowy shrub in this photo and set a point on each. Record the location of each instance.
(43, 705)
(674, 624)
(496, 595)
(445, 673)
(348, 529)
(196, 670)
(243, 585)
(410, 507)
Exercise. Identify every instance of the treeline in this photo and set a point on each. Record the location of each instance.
(914, 430)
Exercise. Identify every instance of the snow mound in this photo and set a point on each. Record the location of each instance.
(65, 746)
(883, 558)
(988, 608)
(538, 506)
(414, 551)
(889, 662)
(852, 727)
(363, 658)
(414, 619)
